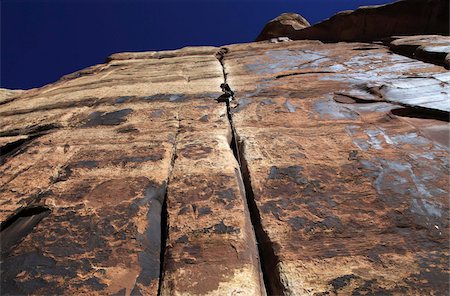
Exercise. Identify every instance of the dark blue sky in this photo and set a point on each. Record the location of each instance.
(43, 40)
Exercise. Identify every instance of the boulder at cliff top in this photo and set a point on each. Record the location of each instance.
(285, 24)
(406, 17)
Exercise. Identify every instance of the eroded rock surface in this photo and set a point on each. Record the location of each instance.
(101, 151)
(351, 187)
(326, 174)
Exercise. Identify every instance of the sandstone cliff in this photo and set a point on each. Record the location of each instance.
(326, 174)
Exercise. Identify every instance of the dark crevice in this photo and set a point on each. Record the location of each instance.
(12, 146)
(234, 141)
(267, 258)
(303, 73)
(164, 233)
(164, 214)
(220, 55)
(403, 110)
(436, 58)
(403, 49)
(227, 97)
(32, 130)
(365, 48)
(344, 98)
(266, 248)
(414, 51)
(422, 113)
(15, 147)
(18, 226)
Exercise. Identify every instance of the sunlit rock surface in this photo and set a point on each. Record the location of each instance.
(102, 149)
(350, 183)
(327, 174)
(8, 94)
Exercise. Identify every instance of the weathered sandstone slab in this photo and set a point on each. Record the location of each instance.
(211, 248)
(86, 172)
(350, 189)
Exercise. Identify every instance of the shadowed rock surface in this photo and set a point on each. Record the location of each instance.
(326, 174)
(429, 48)
(405, 17)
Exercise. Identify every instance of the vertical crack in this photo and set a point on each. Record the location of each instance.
(227, 97)
(266, 248)
(164, 212)
(267, 259)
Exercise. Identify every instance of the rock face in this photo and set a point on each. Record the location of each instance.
(337, 168)
(326, 174)
(285, 24)
(122, 159)
(405, 17)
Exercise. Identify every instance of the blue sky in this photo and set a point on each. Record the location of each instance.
(43, 40)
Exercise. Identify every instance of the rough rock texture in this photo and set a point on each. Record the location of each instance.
(98, 153)
(351, 189)
(8, 94)
(405, 17)
(285, 24)
(327, 174)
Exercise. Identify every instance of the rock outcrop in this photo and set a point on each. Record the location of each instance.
(368, 23)
(326, 174)
(285, 24)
